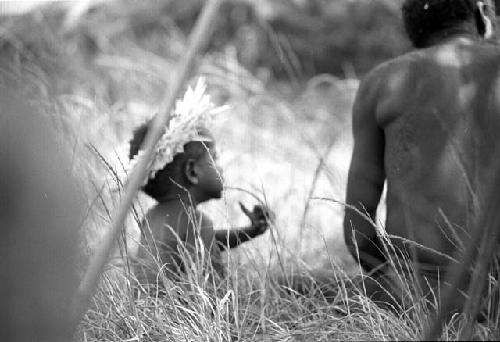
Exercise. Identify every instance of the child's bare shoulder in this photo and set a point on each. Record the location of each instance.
(204, 221)
(164, 221)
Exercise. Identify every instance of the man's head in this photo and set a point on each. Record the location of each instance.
(194, 169)
(424, 19)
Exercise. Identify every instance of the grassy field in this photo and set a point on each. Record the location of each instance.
(287, 144)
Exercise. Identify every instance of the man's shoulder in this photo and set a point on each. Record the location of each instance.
(396, 65)
(432, 60)
(388, 81)
(374, 83)
(425, 55)
(393, 76)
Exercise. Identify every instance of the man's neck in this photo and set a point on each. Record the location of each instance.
(464, 31)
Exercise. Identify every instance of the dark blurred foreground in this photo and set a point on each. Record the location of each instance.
(40, 215)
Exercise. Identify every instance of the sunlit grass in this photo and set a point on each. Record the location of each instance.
(279, 144)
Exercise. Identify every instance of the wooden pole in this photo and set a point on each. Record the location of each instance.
(199, 36)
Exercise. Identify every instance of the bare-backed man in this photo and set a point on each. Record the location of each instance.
(427, 123)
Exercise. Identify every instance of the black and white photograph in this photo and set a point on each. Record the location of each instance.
(249, 170)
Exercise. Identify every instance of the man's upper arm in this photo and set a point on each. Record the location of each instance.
(366, 175)
(366, 172)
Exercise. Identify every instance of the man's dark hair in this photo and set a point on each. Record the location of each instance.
(168, 179)
(424, 18)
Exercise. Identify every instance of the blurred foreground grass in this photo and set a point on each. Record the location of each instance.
(282, 142)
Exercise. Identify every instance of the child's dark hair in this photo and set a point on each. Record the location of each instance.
(424, 18)
(168, 179)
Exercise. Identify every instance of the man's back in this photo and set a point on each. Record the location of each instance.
(439, 109)
(426, 123)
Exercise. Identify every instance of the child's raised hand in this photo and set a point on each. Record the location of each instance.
(260, 217)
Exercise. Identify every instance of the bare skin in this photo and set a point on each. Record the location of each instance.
(426, 123)
(168, 228)
(175, 230)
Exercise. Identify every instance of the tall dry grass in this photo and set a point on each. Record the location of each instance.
(284, 144)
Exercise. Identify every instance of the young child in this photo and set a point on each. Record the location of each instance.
(174, 230)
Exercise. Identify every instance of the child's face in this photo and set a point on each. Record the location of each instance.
(210, 174)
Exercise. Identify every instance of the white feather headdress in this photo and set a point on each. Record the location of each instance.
(193, 111)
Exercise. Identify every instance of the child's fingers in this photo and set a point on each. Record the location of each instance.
(264, 212)
(259, 210)
(244, 209)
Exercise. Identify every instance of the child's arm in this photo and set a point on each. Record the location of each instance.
(259, 223)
